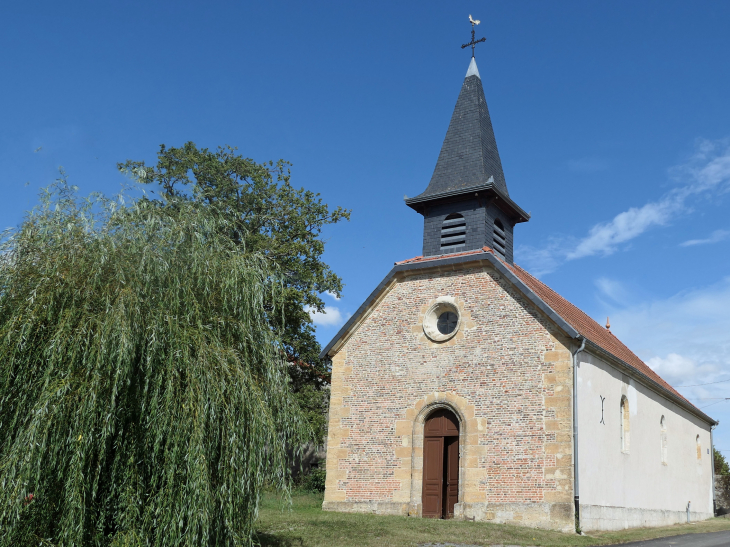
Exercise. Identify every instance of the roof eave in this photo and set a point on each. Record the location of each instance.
(417, 203)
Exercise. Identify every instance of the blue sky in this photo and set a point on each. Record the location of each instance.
(612, 121)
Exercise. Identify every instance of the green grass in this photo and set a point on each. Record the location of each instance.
(306, 525)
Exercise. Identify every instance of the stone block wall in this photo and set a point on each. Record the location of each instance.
(507, 376)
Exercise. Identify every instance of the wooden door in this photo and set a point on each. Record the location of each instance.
(433, 473)
(451, 493)
(440, 465)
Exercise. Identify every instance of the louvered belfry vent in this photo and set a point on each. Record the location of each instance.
(498, 239)
(453, 233)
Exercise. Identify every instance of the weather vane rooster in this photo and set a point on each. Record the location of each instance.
(473, 41)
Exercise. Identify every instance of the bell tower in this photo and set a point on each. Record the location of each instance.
(466, 205)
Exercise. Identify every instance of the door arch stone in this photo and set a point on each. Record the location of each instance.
(410, 431)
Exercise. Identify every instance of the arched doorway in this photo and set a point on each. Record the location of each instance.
(440, 464)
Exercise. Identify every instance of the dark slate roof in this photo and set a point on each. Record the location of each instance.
(469, 155)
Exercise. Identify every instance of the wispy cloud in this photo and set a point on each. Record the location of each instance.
(706, 172)
(715, 237)
(330, 317)
(684, 338)
(604, 238)
(612, 289)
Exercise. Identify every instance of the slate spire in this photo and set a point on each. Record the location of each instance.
(469, 155)
(466, 205)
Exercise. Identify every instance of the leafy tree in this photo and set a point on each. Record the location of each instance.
(721, 465)
(268, 216)
(144, 400)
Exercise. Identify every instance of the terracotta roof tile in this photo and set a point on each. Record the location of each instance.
(439, 257)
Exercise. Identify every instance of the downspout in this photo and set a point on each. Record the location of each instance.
(712, 467)
(576, 482)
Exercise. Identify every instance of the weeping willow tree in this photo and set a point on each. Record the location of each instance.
(143, 396)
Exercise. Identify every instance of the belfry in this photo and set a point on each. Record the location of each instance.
(463, 387)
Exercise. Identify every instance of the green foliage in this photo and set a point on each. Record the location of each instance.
(314, 480)
(267, 215)
(721, 465)
(144, 399)
(314, 403)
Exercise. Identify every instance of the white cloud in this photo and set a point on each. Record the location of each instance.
(332, 295)
(685, 338)
(604, 238)
(706, 173)
(715, 237)
(681, 370)
(541, 261)
(330, 317)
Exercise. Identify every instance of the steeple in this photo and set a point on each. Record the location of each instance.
(466, 205)
(469, 154)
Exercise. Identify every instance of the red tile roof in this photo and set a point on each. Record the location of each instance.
(574, 316)
(439, 257)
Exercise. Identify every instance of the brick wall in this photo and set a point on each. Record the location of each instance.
(507, 375)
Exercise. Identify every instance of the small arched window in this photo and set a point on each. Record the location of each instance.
(453, 232)
(699, 448)
(624, 424)
(663, 439)
(499, 238)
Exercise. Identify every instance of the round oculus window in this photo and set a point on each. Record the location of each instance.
(442, 319)
(447, 322)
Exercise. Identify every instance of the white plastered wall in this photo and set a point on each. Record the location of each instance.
(622, 489)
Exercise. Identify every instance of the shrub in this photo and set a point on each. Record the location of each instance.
(314, 480)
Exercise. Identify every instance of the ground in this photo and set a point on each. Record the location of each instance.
(714, 539)
(306, 525)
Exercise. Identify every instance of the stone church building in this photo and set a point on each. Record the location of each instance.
(465, 387)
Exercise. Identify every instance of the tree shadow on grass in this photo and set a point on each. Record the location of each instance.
(269, 540)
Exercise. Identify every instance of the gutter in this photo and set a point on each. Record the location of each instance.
(712, 468)
(576, 478)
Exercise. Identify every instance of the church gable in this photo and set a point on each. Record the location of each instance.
(505, 372)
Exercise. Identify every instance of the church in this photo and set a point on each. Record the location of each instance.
(466, 388)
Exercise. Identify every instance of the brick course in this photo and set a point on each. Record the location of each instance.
(507, 375)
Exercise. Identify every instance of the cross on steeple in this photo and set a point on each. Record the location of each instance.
(473, 41)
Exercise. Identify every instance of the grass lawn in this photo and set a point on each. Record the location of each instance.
(306, 525)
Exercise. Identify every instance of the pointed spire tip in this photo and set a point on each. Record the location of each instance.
(473, 70)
